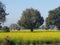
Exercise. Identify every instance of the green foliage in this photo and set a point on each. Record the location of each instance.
(53, 18)
(34, 42)
(31, 19)
(5, 29)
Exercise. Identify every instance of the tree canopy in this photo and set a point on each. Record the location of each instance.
(53, 18)
(31, 19)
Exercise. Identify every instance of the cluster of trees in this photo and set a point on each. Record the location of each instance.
(32, 19)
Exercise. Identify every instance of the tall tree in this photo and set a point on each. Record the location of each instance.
(53, 18)
(31, 19)
(2, 13)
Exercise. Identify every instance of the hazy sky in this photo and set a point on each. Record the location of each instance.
(16, 7)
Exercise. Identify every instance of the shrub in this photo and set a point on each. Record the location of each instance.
(28, 42)
(5, 29)
(34, 42)
(12, 43)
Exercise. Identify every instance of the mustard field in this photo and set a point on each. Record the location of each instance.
(26, 35)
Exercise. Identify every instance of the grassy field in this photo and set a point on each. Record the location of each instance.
(41, 36)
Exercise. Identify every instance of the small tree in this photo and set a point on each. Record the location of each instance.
(14, 27)
(31, 19)
(5, 29)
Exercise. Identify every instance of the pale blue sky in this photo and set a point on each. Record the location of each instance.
(16, 7)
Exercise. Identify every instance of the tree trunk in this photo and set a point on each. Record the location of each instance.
(58, 28)
(0, 26)
(31, 29)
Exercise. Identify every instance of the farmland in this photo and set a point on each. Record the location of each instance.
(39, 36)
